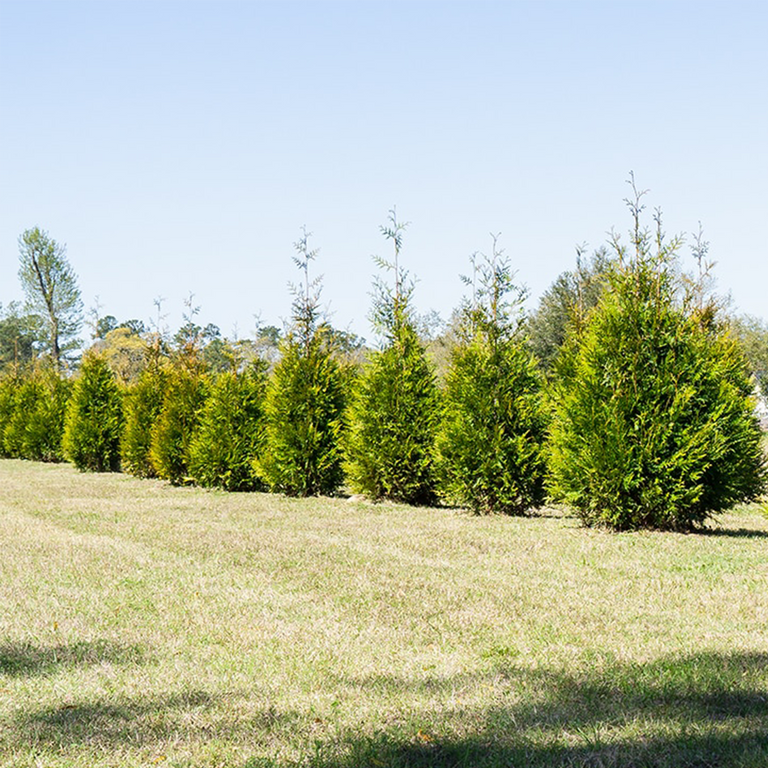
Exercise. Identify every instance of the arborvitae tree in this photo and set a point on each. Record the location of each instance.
(394, 412)
(44, 429)
(143, 404)
(227, 440)
(172, 432)
(306, 398)
(26, 394)
(654, 423)
(490, 444)
(8, 384)
(186, 388)
(94, 418)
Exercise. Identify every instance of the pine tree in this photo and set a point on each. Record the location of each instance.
(490, 444)
(394, 412)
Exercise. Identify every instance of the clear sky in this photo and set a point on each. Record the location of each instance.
(179, 147)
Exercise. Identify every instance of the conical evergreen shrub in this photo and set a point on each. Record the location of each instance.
(45, 421)
(654, 423)
(26, 394)
(490, 443)
(229, 434)
(172, 433)
(394, 412)
(305, 402)
(93, 424)
(143, 405)
(8, 384)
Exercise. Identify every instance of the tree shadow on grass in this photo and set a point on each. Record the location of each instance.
(701, 711)
(706, 710)
(27, 660)
(735, 533)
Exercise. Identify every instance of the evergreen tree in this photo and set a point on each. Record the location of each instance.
(654, 424)
(227, 440)
(172, 433)
(143, 404)
(305, 400)
(93, 423)
(490, 444)
(44, 415)
(394, 412)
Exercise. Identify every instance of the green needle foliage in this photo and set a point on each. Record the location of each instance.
(654, 424)
(306, 398)
(143, 404)
(93, 425)
(394, 413)
(229, 434)
(490, 444)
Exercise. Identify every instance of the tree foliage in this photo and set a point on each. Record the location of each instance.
(93, 424)
(394, 412)
(654, 423)
(306, 398)
(490, 443)
(229, 434)
(564, 306)
(51, 290)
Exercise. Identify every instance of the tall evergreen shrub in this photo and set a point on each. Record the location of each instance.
(394, 413)
(143, 404)
(654, 424)
(228, 437)
(490, 444)
(172, 432)
(93, 424)
(305, 402)
(44, 429)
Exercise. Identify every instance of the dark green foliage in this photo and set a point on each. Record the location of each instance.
(654, 423)
(143, 403)
(490, 443)
(19, 335)
(305, 402)
(306, 398)
(94, 418)
(227, 439)
(394, 413)
(565, 304)
(172, 433)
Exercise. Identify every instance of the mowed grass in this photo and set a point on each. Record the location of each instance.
(143, 625)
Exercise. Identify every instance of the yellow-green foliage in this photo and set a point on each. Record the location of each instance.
(94, 418)
(393, 420)
(654, 424)
(306, 397)
(143, 404)
(229, 434)
(185, 390)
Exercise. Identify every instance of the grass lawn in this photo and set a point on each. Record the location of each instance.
(144, 625)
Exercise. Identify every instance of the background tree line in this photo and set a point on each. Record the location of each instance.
(628, 393)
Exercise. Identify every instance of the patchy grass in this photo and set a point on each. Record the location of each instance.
(143, 625)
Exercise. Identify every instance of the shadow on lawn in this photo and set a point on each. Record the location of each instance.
(26, 660)
(706, 710)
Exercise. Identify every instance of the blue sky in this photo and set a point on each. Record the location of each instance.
(179, 147)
